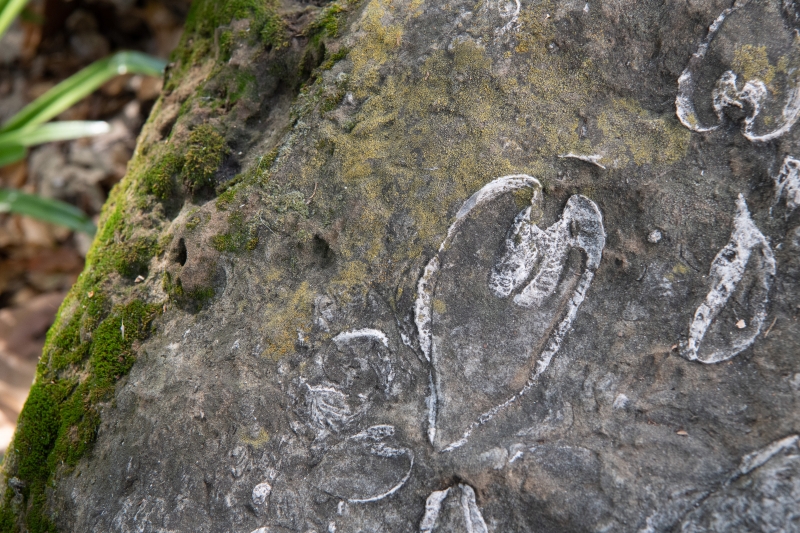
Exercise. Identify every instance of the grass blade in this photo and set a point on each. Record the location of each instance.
(11, 154)
(54, 131)
(45, 209)
(79, 85)
(9, 9)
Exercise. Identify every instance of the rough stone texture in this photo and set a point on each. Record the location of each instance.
(611, 346)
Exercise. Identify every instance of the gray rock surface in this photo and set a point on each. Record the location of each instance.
(499, 285)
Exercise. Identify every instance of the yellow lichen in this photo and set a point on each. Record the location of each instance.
(752, 63)
(258, 441)
(350, 280)
(631, 132)
(422, 140)
(415, 6)
(287, 317)
(383, 37)
(679, 270)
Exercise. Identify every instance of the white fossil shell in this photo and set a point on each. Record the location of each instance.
(747, 249)
(531, 299)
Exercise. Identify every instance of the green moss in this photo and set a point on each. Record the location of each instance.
(132, 258)
(186, 299)
(202, 295)
(333, 58)
(326, 24)
(36, 433)
(78, 427)
(174, 289)
(258, 174)
(69, 343)
(228, 86)
(331, 101)
(193, 220)
(84, 356)
(273, 31)
(225, 199)
(204, 155)
(293, 201)
(225, 45)
(119, 247)
(111, 356)
(193, 50)
(206, 16)
(60, 419)
(240, 236)
(114, 214)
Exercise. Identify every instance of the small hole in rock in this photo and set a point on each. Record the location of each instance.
(322, 251)
(178, 254)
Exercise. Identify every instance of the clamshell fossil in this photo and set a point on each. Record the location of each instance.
(742, 272)
(366, 467)
(453, 509)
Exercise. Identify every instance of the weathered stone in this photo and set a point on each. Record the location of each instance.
(501, 266)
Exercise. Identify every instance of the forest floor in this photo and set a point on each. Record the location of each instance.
(39, 262)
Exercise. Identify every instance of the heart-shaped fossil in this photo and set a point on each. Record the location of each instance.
(496, 301)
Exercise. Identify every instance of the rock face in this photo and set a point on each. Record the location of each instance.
(499, 266)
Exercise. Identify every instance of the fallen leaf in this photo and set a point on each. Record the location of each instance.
(682, 433)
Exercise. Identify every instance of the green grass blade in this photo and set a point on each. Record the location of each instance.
(9, 9)
(11, 154)
(46, 209)
(79, 85)
(54, 131)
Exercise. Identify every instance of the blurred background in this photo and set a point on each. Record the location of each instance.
(48, 42)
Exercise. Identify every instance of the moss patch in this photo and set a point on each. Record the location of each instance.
(326, 24)
(205, 17)
(60, 419)
(632, 134)
(228, 86)
(204, 154)
(225, 199)
(258, 441)
(240, 236)
(159, 179)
